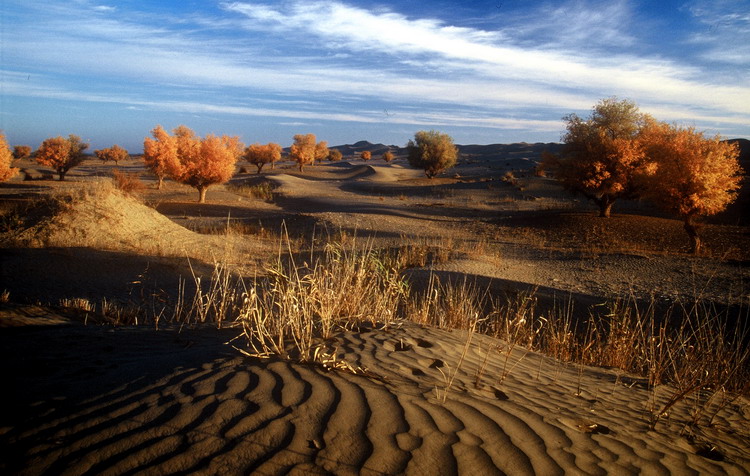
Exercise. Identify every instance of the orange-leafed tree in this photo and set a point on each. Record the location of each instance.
(302, 150)
(387, 156)
(689, 174)
(321, 151)
(160, 154)
(61, 154)
(21, 152)
(366, 155)
(335, 155)
(602, 154)
(260, 155)
(204, 162)
(432, 151)
(6, 157)
(114, 153)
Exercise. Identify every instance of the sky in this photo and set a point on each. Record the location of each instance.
(485, 72)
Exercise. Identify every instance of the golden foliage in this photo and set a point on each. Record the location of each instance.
(21, 152)
(335, 155)
(160, 154)
(387, 156)
(321, 150)
(6, 157)
(690, 175)
(114, 153)
(366, 155)
(432, 151)
(61, 154)
(303, 150)
(602, 153)
(260, 155)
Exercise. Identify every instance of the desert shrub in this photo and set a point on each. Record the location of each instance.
(603, 153)
(387, 156)
(510, 178)
(6, 157)
(321, 150)
(21, 152)
(262, 190)
(61, 154)
(366, 155)
(128, 182)
(335, 155)
(260, 155)
(432, 151)
(302, 150)
(114, 153)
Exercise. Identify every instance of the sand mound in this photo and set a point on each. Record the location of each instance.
(101, 217)
(134, 400)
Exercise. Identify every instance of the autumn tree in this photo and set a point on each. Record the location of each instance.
(366, 155)
(160, 154)
(203, 162)
(602, 153)
(114, 153)
(387, 156)
(61, 154)
(432, 151)
(335, 155)
(321, 150)
(260, 155)
(21, 152)
(303, 150)
(6, 157)
(689, 174)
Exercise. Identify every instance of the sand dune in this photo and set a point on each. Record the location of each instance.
(136, 400)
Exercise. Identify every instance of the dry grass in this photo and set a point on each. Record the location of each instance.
(127, 182)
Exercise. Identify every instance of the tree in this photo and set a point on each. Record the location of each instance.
(303, 150)
(160, 154)
(602, 153)
(204, 162)
(366, 155)
(6, 157)
(689, 174)
(321, 150)
(387, 156)
(335, 155)
(114, 153)
(61, 154)
(21, 152)
(432, 151)
(260, 155)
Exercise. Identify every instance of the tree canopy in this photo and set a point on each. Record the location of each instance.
(6, 157)
(160, 154)
(432, 151)
(602, 153)
(689, 174)
(114, 153)
(61, 154)
(260, 155)
(21, 152)
(302, 150)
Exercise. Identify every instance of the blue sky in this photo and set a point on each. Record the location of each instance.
(485, 72)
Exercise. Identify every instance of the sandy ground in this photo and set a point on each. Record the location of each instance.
(96, 399)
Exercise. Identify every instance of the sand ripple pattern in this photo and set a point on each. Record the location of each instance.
(226, 414)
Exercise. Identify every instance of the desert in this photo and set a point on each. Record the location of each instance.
(132, 344)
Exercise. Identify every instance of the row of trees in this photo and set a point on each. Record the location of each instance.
(620, 153)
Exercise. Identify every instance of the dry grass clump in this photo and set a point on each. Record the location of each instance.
(127, 182)
(262, 190)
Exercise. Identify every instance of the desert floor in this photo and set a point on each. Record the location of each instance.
(87, 397)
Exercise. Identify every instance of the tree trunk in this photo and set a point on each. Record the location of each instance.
(260, 167)
(202, 194)
(605, 206)
(692, 231)
(160, 183)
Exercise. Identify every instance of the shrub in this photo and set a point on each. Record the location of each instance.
(366, 155)
(335, 155)
(21, 152)
(387, 156)
(432, 151)
(128, 183)
(6, 171)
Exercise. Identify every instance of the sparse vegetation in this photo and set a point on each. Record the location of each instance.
(387, 156)
(21, 152)
(366, 155)
(128, 182)
(432, 151)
